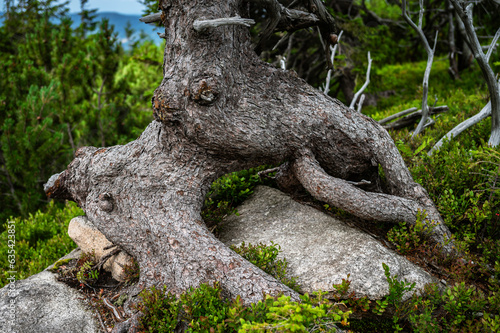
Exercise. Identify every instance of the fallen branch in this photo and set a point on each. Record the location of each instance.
(397, 115)
(410, 119)
(483, 114)
(112, 308)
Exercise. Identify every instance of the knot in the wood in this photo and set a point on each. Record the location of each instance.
(204, 92)
(165, 109)
(106, 202)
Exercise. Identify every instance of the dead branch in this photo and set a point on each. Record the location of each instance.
(413, 117)
(360, 103)
(453, 69)
(360, 91)
(397, 115)
(333, 50)
(156, 17)
(202, 25)
(430, 58)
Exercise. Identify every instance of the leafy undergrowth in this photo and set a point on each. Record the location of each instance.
(39, 241)
(229, 191)
(461, 178)
(204, 309)
(266, 258)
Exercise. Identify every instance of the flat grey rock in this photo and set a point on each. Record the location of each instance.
(41, 304)
(320, 249)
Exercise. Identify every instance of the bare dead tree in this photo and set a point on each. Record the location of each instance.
(483, 114)
(464, 11)
(430, 58)
(219, 109)
(453, 69)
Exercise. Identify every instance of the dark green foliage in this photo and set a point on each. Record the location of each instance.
(131, 272)
(66, 89)
(87, 18)
(161, 310)
(85, 273)
(205, 310)
(408, 238)
(41, 239)
(461, 308)
(229, 191)
(266, 258)
(381, 325)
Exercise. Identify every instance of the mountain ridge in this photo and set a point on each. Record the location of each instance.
(119, 21)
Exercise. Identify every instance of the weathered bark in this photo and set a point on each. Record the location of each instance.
(220, 109)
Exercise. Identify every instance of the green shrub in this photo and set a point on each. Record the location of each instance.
(160, 309)
(41, 239)
(460, 308)
(312, 314)
(409, 237)
(266, 258)
(229, 191)
(204, 308)
(397, 289)
(85, 274)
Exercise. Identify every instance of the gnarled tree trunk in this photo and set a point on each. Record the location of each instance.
(220, 109)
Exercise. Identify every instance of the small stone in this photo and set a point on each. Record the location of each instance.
(89, 239)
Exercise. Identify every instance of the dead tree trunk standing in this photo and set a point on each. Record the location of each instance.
(464, 11)
(452, 55)
(430, 58)
(220, 109)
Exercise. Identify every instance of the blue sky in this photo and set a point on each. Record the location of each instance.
(118, 6)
